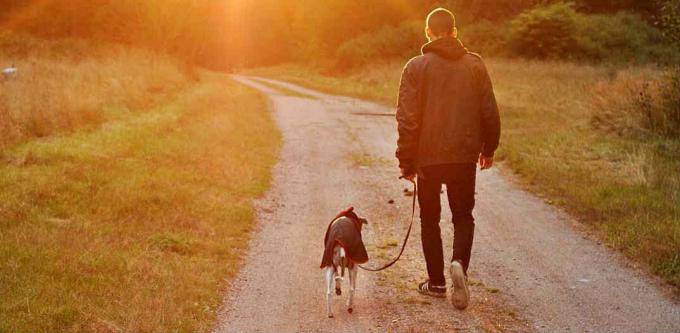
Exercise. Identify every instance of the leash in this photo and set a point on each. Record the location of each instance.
(408, 233)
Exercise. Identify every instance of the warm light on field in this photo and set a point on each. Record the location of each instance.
(132, 156)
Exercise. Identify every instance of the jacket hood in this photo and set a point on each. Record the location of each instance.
(446, 47)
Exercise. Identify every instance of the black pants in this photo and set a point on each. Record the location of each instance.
(460, 189)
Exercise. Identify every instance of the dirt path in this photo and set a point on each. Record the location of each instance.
(531, 269)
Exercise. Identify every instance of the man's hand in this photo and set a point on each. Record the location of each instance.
(408, 174)
(485, 162)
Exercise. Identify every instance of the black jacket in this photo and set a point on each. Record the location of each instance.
(447, 111)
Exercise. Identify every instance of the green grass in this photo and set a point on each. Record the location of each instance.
(136, 225)
(626, 189)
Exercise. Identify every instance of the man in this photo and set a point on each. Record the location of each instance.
(447, 120)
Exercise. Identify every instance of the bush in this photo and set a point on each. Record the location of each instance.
(483, 37)
(622, 37)
(558, 31)
(405, 41)
(545, 31)
(387, 43)
(488, 10)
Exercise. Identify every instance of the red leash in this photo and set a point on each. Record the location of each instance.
(408, 233)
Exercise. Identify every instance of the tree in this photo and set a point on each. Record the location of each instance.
(468, 11)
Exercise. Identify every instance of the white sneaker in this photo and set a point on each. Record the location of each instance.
(460, 294)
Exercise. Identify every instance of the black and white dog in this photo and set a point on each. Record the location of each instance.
(344, 249)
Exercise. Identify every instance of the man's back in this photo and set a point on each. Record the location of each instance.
(447, 117)
(447, 112)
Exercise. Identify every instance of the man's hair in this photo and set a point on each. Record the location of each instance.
(441, 22)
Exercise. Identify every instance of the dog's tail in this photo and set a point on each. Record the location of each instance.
(339, 259)
(343, 261)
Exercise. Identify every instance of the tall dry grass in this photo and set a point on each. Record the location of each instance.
(638, 102)
(64, 85)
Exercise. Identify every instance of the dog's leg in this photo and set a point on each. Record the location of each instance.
(352, 287)
(330, 272)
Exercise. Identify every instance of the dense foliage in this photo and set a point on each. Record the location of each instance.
(389, 42)
(559, 31)
(213, 32)
(189, 29)
(224, 34)
(545, 31)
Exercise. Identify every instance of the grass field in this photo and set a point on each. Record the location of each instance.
(65, 85)
(626, 188)
(135, 221)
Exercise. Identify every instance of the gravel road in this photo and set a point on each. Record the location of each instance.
(533, 268)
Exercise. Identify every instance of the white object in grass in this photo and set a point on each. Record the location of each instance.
(9, 71)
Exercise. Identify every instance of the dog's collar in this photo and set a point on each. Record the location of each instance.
(349, 213)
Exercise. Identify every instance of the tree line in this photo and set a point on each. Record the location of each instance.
(222, 34)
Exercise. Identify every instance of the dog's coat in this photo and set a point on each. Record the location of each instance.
(345, 230)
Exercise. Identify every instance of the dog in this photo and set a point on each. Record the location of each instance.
(343, 250)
